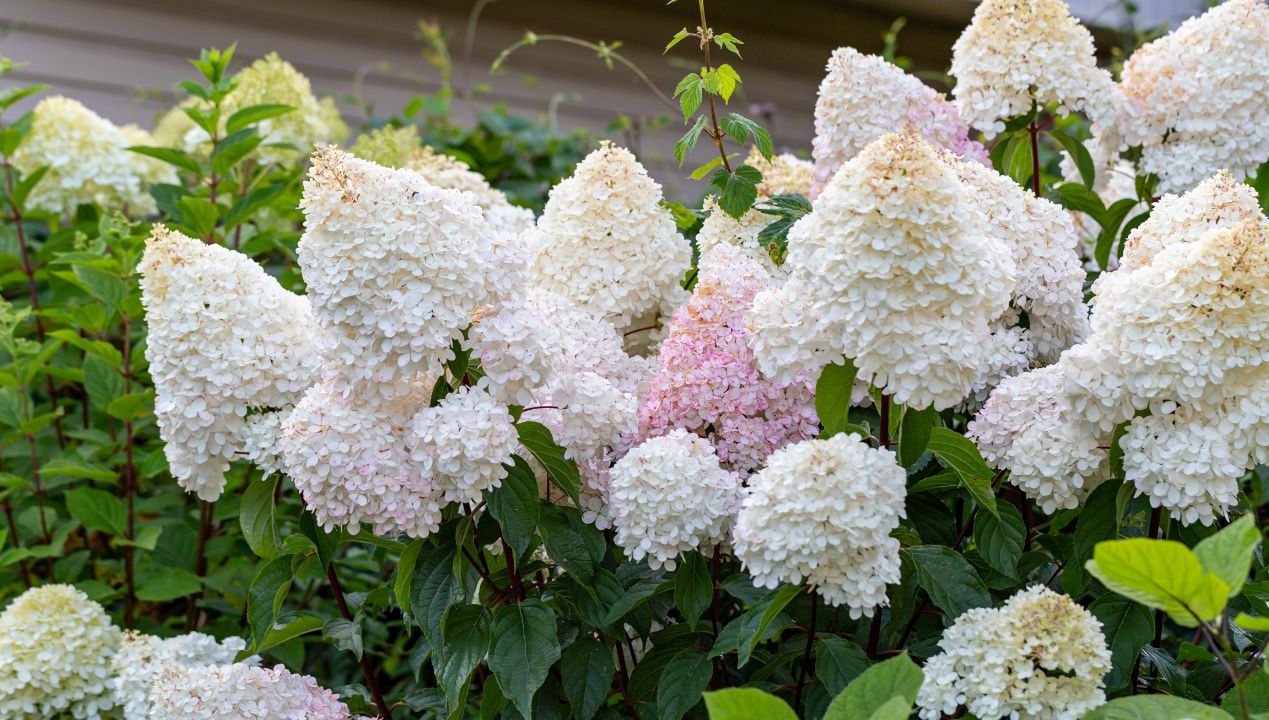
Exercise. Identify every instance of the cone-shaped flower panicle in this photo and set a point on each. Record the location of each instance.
(864, 97)
(1041, 655)
(224, 336)
(395, 269)
(821, 512)
(708, 382)
(87, 160)
(604, 241)
(142, 658)
(669, 496)
(897, 269)
(444, 171)
(55, 649)
(1195, 100)
(242, 692)
(1018, 52)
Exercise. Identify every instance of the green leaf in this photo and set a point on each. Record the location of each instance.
(746, 704)
(106, 287)
(1018, 160)
(256, 517)
(71, 467)
(741, 128)
(264, 598)
(1252, 622)
(433, 589)
(689, 93)
(838, 661)
(537, 439)
(1128, 627)
(345, 635)
(1160, 574)
(705, 169)
(685, 677)
(232, 149)
(467, 634)
(576, 545)
(253, 114)
(405, 574)
(832, 396)
(693, 587)
(960, 453)
(515, 505)
(897, 677)
(1228, 553)
(1098, 521)
(101, 381)
(244, 206)
(778, 603)
(688, 141)
(1079, 154)
(24, 187)
(1256, 690)
(587, 670)
(170, 156)
(739, 189)
(198, 214)
(724, 79)
(949, 579)
(131, 407)
(1156, 707)
(97, 510)
(290, 631)
(914, 434)
(729, 42)
(1000, 539)
(167, 585)
(524, 649)
(1111, 221)
(678, 37)
(1074, 196)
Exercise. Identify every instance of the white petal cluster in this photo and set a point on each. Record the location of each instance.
(783, 174)
(395, 269)
(864, 97)
(349, 456)
(669, 496)
(55, 648)
(258, 441)
(1026, 426)
(1178, 333)
(821, 511)
(721, 229)
(509, 344)
(1040, 656)
(1041, 238)
(142, 658)
(87, 160)
(224, 336)
(1016, 52)
(895, 268)
(1195, 99)
(242, 692)
(603, 241)
(444, 171)
(463, 443)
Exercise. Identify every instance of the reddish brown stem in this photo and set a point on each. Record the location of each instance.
(17, 542)
(806, 653)
(367, 672)
(715, 132)
(1034, 129)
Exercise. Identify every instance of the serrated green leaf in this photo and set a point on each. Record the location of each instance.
(947, 577)
(467, 633)
(1160, 574)
(1128, 627)
(1079, 154)
(678, 37)
(746, 704)
(253, 114)
(689, 92)
(1228, 553)
(170, 156)
(256, 517)
(97, 510)
(914, 434)
(515, 505)
(960, 453)
(587, 669)
(537, 439)
(682, 682)
(838, 661)
(741, 128)
(693, 587)
(877, 686)
(739, 190)
(525, 647)
(1000, 539)
(1156, 707)
(345, 635)
(688, 141)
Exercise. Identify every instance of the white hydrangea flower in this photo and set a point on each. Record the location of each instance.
(1195, 99)
(395, 269)
(669, 496)
(463, 443)
(604, 242)
(1026, 426)
(783, 174)
(720, 229)
(55, 649)
(1007, 352)
(444, 171)
(258, 440)
(509, 344)
(142, 658)
(897, 269)
(349, 457)
(1040, 657)
(242, 692)
(864, 97)
(821, 511)
(1016, 52)
(223, 336)
(87, 160)
(1041, 237)
(594, 412)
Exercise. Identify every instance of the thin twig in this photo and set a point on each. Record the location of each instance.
(367, 672)
(806, 653)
